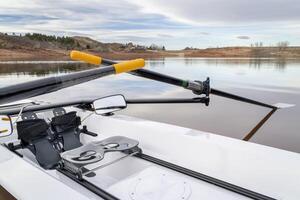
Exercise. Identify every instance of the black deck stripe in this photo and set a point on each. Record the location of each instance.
(88, 185)
(206, 178)
(228, 186)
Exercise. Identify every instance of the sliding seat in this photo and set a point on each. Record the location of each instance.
(34, 135)
(76, 160)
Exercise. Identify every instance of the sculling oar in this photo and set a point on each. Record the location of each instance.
(197, 87)
(51, 84)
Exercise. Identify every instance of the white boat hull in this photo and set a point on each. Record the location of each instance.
(269, 171)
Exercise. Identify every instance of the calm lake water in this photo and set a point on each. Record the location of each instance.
(268, 80)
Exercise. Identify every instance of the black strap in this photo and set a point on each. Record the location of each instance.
(71, 140)
(228, 186)
(93, 188)
(32, 129)
(33, 134)
(45, 154)
(66, 126)
(206, 178)
(64, 122)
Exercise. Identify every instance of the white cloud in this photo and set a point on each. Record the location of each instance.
(174, 23)
(217, 12)
(243, 37)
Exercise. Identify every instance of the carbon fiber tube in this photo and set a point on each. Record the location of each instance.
(51, 84)
(153, 75)
(240, 98)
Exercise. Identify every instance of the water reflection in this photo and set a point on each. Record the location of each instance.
(41, 69)
(46, 68)
(159, 62)
(257, 63)
(267, 80)
(278, 63)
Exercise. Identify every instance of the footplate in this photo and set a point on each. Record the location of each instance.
(93, 152)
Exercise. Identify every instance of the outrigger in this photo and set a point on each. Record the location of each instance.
(83, 150)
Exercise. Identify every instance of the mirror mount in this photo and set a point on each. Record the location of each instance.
(108, 114)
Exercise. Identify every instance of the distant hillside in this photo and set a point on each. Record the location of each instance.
(46, 47)
(256, 52)
(38, 46)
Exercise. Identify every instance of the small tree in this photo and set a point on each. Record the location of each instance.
(153, 47)
(283, 45)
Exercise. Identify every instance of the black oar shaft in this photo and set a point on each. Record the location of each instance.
(168, 101)
(203, 177)
(160, 77)
(240, 98)
(46, 85)
(182, 83)
(153, 75)
(197, 87)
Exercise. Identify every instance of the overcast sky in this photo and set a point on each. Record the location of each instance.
(173, 23)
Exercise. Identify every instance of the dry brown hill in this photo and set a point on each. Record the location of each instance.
(44, 47)
(267, 52)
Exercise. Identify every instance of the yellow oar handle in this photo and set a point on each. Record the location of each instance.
(121, 67)
(81, 56)
(3, 131)
(130, 65)
(5, 119)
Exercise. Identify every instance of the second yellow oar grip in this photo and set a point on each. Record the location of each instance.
(81, 56)
(121, 67)
(130, 65)
(5, 119)
(3, 131)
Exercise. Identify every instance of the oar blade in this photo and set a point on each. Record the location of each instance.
(283, 105)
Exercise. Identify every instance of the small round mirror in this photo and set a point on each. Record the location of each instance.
(109, 104)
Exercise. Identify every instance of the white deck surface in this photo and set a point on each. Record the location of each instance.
(265, 170)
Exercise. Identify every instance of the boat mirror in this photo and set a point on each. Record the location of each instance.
(109, 104)
(5, 126)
